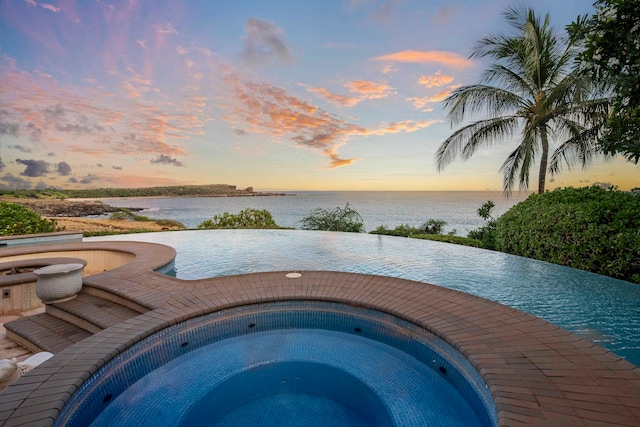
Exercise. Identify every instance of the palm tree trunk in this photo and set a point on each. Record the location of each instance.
(542, 176)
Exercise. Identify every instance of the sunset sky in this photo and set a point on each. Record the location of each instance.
(278, 95)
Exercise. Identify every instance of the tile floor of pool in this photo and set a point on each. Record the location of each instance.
(537, 372)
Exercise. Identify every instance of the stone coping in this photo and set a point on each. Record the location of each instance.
(40, 235)
(537, 372)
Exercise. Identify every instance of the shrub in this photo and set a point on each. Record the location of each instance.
(338, 219)
(588, 228)
(487, 233)
(247, 218)
(17, 219)
(448, 238)
(433, 226)
(402, 230)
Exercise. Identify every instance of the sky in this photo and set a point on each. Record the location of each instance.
(277, 95)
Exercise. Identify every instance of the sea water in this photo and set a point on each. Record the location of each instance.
(387, 208)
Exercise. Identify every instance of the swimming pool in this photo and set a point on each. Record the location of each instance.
(604, 310)
(286, 364)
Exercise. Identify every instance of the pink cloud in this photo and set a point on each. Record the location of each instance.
(97, 123)
(369, 89)
(426, 57)
(421, 104)
(442, 95)
(50, 7)
(259, 107)
(344, 101)
(435, 80)
(405, 126)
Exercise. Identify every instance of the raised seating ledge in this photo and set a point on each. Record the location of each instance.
(18, 278)
(40, 239)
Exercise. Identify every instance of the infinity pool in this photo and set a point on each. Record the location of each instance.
(602, 309)
(286, 364)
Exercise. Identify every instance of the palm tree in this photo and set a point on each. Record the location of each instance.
(530, 92)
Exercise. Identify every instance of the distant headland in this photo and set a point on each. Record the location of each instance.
(211, 190)
(56, 203)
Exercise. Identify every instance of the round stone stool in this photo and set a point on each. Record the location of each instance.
(58, 282)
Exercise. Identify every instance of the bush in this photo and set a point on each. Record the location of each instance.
(487, 233)
(448, 238)
(16, 219)
(403, 230)
(339, 219)
(588, 228)
(433, 226)
(247, 218)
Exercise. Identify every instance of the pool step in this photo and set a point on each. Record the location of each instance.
(90, 312)
(67, 323)
(44, 332)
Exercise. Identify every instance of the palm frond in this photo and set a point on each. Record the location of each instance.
(474, 99)
(465, 141)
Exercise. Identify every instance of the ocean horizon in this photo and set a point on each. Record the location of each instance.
(386, 208)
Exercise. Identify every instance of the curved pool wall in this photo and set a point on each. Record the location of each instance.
(603, 310)
(233, 365)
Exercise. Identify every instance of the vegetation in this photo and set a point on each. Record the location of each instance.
(171, 191)
(530, 89)
(16, 219)
(433, 226)
(610, 39)
(247, 218)
(588, 228)
(448, 238)
(126, 215)
(339, 219)
(487, 233)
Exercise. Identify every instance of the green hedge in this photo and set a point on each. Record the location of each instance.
(588, 228)
(16, 219)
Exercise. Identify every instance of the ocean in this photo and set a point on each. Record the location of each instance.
(387, 208)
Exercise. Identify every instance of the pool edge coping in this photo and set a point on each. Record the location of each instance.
(537, 372)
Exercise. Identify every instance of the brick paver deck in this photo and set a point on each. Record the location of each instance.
(537, 372)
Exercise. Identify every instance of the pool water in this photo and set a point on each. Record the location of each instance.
(602, 309)
(286, 364)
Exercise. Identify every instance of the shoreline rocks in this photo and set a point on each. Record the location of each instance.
(65, 208)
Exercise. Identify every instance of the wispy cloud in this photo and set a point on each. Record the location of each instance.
(46, 111)
(405, 126)
(166, 28)
(20, 148)
(435, 80)
(264, 41)
(421, 104)
(425, 57)
(442, 95)
(369, 89)
(344, 101)
(265, 108)
(50, 7)
(364, 88)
